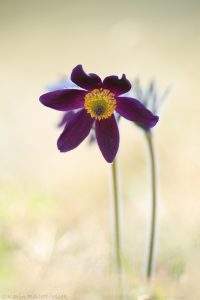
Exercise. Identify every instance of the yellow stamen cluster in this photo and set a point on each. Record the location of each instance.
(100, 103)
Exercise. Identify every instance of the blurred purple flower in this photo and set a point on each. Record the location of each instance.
(97, 102)
(150, 97)
(64, 83)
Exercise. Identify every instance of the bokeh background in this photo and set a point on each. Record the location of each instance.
(55, 227)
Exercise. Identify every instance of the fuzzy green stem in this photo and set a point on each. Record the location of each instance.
(152, 240)
(116, 209)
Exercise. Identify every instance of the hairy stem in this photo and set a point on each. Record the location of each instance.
(152, 240)
(116, 210)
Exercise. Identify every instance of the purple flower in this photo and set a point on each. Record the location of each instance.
(96, 104)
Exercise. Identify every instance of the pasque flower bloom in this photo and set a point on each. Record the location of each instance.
(95, 104)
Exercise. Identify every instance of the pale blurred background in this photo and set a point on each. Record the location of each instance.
(55, 228)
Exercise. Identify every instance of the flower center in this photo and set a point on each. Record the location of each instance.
(100, 103)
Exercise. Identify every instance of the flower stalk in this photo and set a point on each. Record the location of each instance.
(153, 219)
(116, 211)
(117, 230)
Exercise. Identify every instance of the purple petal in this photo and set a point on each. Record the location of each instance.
(85, 81)
(107, 135)
(66, 118)
(75, 131)
(135, 111)
(64, 99)
(116, 85)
